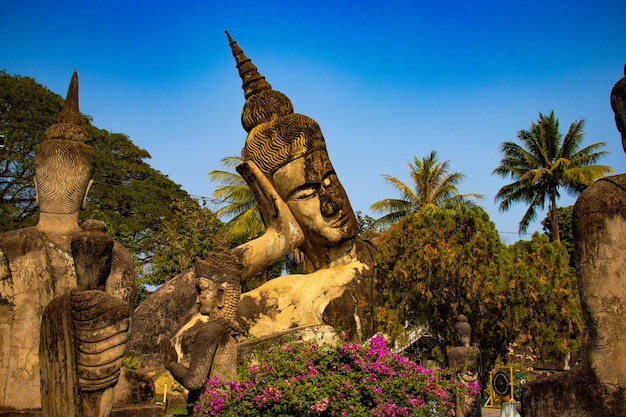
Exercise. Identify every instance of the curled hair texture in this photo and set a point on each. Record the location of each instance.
(263, 106)
(63, 169)
(272, 145)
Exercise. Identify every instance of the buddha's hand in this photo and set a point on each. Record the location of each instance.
(168, 353)
(274, 211)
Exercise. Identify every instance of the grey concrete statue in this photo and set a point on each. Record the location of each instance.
(37, 265)
(212, 344)
(596, 386)
(466, 362)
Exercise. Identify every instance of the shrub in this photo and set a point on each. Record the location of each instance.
(303, 378)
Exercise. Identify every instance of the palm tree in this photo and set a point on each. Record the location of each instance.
(544, 162)
(245, 221)
(433, 184)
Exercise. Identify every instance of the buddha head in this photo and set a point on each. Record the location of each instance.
(290, 150)
(64, 163)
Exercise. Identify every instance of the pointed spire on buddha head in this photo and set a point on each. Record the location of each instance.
(69, 122)
(262, 102)
(276, 135)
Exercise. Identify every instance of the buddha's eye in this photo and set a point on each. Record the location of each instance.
(304, 193)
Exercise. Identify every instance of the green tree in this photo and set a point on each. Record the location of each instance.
(438, 263)
(564, 216)
(26, 110)
(544, 162)
(191, 234)
(432, 184)
(552, 323)
(127, 194)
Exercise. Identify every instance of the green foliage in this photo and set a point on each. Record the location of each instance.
(437, 264)
(433, 184)
(192, 233)
(367, 228)
(303, 378)
(131, 362)
(553, 324)
(26, 110)
(564, 216)
(545, 162)
(128, 194)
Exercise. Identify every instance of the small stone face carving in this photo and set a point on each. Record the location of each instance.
(213, 346)
(466, 362)
(38, 272)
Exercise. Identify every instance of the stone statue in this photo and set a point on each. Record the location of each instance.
(84, 334)
(290, 151)
(597, 385)
(36, 263)
(466, 362)
(212, 344)
(303, 205)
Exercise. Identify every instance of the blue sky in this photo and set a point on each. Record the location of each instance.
(386, 80)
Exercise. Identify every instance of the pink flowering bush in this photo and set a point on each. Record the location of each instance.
(303, 378)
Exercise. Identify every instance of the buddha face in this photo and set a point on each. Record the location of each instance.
(210, 296)
(317, 199)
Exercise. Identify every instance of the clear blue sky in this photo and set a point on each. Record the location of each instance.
(386, 80)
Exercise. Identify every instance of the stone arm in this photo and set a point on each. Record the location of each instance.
(193, 377)
(282, 232)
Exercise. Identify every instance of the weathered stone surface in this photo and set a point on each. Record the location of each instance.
(133, 389)
(162, 314)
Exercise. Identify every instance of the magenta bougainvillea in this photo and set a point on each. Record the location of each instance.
(348, 379)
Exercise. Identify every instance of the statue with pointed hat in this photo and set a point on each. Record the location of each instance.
(57, 262)
(289, 151)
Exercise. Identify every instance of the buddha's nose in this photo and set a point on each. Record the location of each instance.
(329, 204)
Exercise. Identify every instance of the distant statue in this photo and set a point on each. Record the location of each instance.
(290, 152)
(597, 385)
(466, 362)
(37, 265)
(212, 343)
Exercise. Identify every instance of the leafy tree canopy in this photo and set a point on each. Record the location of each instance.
(439, 263)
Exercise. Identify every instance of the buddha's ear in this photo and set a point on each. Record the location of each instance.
(84, 205)
(36, 191)
(221, 297)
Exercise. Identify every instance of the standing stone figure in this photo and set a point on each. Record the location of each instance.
(466, 362)
(212, 344)
(597, 385)
(36, 263)
(84, 334)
